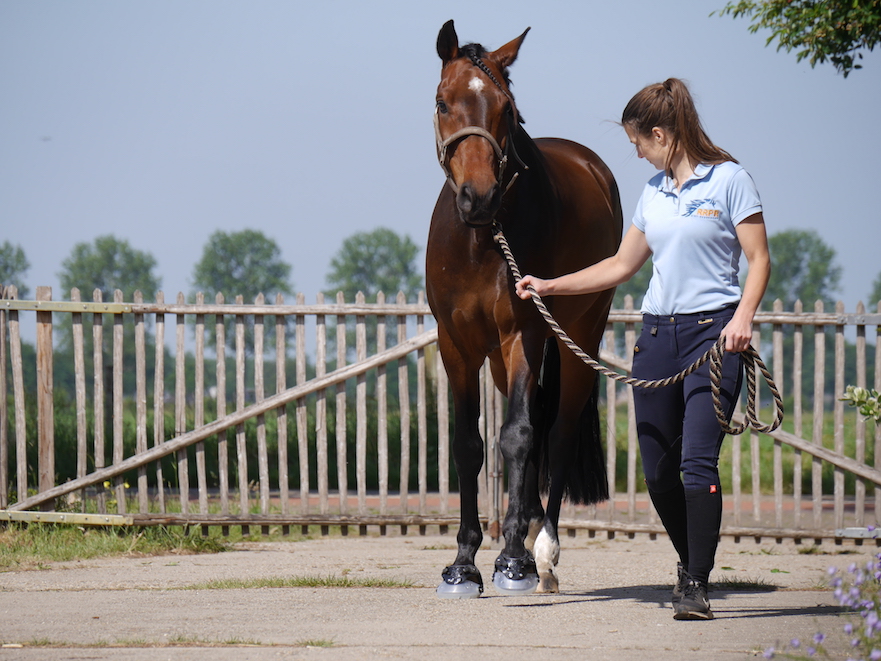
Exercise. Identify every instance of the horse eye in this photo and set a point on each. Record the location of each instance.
(442, 107)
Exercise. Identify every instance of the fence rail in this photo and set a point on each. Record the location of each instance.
(338, 414)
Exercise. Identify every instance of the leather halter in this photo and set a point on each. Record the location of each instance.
(501, 154)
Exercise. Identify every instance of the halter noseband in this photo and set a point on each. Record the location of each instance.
(501, 154)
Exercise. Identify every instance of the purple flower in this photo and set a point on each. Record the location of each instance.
(795, 643)
(832, 571)
(769, 653)
(848, 628)
(875, 655)
(811, 651)
(852, 568)
(819, 638)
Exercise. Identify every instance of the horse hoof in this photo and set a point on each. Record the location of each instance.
(465, 590)
(515, 576)
(460, 582)
(548, 583)
(514, 587)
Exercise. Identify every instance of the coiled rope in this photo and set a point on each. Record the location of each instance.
(750, 357)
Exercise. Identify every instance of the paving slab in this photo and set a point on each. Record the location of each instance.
(613, 604)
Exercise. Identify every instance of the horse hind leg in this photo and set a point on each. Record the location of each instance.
(546, 551)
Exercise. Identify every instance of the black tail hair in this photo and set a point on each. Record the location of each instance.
(585, 480)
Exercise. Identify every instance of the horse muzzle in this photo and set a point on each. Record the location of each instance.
(478, 209)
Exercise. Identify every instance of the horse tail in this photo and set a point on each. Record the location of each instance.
(587, 481)
(584, 478)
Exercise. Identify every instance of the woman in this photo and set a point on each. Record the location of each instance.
(695, 219)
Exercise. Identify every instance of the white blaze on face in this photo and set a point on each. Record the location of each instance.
(476, 84)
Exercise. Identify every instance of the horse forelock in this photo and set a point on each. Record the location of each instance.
(476, 53)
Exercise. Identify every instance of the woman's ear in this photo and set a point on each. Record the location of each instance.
(660, 136)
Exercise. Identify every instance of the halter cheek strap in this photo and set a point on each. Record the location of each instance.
(501, 154)
(443, 144)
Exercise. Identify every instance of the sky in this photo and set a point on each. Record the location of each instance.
(161, 122)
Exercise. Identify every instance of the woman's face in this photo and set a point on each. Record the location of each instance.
(654, 147)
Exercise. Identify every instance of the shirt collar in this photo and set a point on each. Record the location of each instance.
(701, 171)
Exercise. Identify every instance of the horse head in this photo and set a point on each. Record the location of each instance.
(475, 121)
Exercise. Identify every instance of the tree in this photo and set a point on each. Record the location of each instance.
(243, 263)
(803, 268)
(109, 264)
(834, 30)
(372, 262)
(875, 295)
(13, 266)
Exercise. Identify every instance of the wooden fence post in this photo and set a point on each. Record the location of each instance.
(45, 409)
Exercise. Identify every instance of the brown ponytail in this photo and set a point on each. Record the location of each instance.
(669, 106)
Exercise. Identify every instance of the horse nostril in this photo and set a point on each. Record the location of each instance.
(466, 198)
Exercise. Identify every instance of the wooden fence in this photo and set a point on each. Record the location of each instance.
(355, 430)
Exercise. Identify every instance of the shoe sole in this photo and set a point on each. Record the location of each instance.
(693, 615)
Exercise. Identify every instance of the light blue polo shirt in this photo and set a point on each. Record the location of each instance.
(691, 233)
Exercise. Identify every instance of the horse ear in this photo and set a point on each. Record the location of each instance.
(506, 55)
(448, 42)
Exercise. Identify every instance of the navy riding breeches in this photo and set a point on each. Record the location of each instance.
(677, 425)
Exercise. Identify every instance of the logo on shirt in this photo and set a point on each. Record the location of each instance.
(703, 209)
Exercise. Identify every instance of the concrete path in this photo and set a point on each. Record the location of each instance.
(614, 604)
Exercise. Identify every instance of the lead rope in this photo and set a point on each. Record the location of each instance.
(750, 357)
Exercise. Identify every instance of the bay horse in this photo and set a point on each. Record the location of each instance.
(559, 207)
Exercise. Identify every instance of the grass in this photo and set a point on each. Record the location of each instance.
(745, 584)
(33, 546)
(301, 582)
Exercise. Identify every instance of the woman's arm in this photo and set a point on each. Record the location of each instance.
(754, 242)
(612, 271)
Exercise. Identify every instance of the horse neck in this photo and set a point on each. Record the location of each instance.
(534, 186)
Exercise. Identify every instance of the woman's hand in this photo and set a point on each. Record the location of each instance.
(738, 334)
(521, 286)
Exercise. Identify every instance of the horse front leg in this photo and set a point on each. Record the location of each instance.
(462, 579)
(515, 570)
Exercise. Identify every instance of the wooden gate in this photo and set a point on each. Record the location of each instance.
(338, 415)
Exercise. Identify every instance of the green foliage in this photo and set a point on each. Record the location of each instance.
(13, 265)
(243, 263)
(833, 30)
(803, 268)
(868, 402)
(109, 264)
(375, 261)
